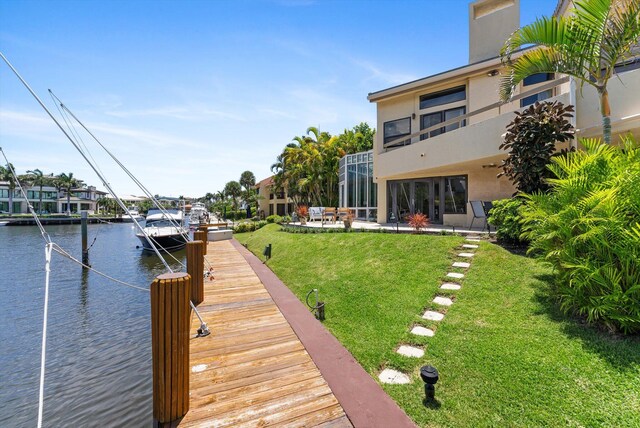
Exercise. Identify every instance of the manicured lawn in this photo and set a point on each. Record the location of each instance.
(506, 355)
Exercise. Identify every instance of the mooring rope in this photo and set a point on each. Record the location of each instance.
(62, 252)
(47, 269)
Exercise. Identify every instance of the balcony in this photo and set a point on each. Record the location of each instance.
(476, 142)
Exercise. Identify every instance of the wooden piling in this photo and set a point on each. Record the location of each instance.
(195, 268)
(205, 229)
(200, 235)
(170, 315)
(83, 228)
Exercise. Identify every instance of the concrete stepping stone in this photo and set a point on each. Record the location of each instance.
(410, 351)
(422, 331)
(461, 264)
(455, 275)
(450, 286)
(444, 301)
(465, 255)
(472, 246)
(433, 316)
(393, 377)
(473, 240)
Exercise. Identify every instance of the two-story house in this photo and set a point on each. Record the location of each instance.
(273, 201)
(437, 145)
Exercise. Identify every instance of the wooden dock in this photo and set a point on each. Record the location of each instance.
(252, 370)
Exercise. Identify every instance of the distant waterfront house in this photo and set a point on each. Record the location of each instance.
(273, 201)
(437, 144)
(53, 201)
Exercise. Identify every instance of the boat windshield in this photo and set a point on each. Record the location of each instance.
(160, 223)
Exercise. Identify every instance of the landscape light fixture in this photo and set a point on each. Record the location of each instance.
(429, 375)
(267, 252)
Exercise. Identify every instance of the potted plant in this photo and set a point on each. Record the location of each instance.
(303, 211)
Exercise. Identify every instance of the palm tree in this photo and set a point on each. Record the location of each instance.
(585, 45)
(7, 175)
(234, 190)
(67, 182)
(37, 178)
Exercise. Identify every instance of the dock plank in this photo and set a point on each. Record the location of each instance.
(252, 370)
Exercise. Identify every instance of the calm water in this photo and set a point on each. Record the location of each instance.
(98, 370)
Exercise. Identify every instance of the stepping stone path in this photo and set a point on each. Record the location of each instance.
(450, 286)
(444, 301)
(433, 316)
(410, 351)
(394, 377)
(422, 331)
(461, 264)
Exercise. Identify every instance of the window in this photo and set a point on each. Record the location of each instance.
(432, 119)
(443, 97)
(537, 78)
(536, 97)
(4, 193)
(397, 129)
(455, 195)
(270, 195)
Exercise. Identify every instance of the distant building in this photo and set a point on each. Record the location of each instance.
(53, 201)
(272, 201)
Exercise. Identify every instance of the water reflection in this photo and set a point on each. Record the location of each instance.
(98, 346)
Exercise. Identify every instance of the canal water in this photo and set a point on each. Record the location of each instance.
(98, 368)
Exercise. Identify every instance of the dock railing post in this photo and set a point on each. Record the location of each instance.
(83, 227)
(170, 315)
(205, 229)
(200, 235)
(195, 269)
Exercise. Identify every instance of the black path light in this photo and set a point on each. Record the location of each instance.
(267, 252)
(429, 375)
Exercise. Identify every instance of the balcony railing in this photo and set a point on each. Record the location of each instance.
(402, 141)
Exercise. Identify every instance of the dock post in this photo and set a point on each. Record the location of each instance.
(205, 229)
(195, 268)
(200, 235)
(83, 227)
(170, 315)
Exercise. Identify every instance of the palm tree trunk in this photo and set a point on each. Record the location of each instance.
(40, 201)
(605, 109)
(68, 202)
(11, 201)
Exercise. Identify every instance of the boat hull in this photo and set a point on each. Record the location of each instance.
(172, 242)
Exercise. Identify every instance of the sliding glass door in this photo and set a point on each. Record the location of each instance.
(431, 196)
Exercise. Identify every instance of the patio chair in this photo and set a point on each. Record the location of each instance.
(342, 213)
(478, 212)
(316, 213)
(329, 215)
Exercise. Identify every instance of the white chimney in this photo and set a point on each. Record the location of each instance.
(491, 22)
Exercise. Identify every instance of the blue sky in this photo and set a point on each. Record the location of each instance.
(189, 94)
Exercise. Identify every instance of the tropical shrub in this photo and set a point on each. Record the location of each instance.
(505, 216)
(249, 226)
(274, 219)
(418, 221)
(531, 142)
(588, 229)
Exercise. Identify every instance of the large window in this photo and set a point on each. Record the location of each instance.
(534, 79)
(455, 195)
(443, 97)
(432, 119)
(397, 129)
(536, 97)
(357, 190)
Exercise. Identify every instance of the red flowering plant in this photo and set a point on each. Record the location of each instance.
(418, 221)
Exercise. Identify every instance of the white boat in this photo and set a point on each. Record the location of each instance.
(197, 213)
(133, 214)
(167, 231)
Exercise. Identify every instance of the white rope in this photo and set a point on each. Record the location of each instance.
(62, 252)
(47, 269)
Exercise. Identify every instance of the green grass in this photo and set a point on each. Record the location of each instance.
(506, 355)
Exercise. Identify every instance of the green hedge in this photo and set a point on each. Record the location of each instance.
(505, 217)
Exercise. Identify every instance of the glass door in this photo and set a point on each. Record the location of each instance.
(423, 203)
